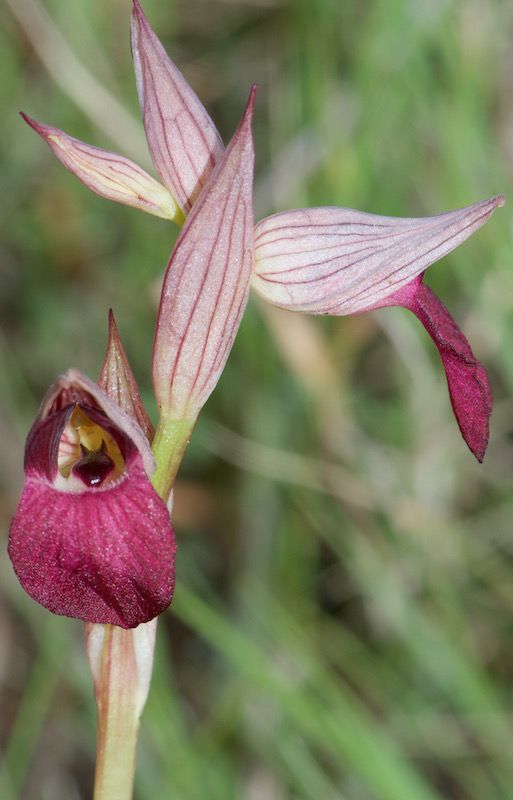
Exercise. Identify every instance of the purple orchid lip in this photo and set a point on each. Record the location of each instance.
(91, 538)
(467, 381)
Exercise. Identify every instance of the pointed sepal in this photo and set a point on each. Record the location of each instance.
(339, 261)
(206, 285)
(118, 381)
(110, 175)
(184, 142)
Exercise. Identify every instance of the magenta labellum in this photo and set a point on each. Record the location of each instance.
(91, 538)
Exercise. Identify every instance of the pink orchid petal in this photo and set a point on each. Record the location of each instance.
(340, 261)
(183, 141)
(99, 550)
(206, 285)
(469, 390)
(108, 174)
(118, 382)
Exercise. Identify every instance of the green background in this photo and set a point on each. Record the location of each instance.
(342, 628)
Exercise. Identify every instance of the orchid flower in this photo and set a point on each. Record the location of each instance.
(318, 260)
(91, 538)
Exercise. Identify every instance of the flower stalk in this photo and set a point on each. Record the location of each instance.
(122, 660)
(169, 445)
(117, 723)
(121, 663)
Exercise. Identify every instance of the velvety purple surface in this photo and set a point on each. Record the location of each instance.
(104, 553)
(469, 389)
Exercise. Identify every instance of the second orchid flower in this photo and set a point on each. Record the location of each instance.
(319, 261)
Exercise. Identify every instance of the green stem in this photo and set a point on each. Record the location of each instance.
(118, 717)
(116, 682)
(169, 444)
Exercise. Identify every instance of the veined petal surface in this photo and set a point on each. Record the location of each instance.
(339, 261)
(206, 285)
(184, 142)
(110, 175)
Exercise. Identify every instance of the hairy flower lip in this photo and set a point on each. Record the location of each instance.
(103, 554)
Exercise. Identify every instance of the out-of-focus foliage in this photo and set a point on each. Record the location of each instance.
(343, 625)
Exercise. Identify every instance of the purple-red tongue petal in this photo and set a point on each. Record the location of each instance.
(98, 544)
(102, 556)
(469, 389)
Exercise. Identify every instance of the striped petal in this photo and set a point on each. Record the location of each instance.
(108, 174)
(206, 285)
(339, 261)
(183, 141)
(467, 381)
(91, 538)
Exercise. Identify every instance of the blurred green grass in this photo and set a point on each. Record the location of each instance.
(343, 622)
